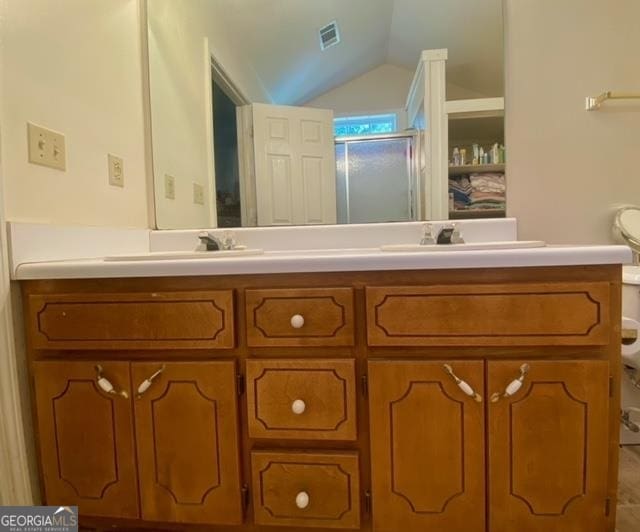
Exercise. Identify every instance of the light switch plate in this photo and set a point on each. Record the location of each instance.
(46, 147)
(198, 194)
(116, 170)
(169, 187)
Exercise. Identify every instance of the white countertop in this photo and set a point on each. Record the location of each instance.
(326, 260)
(40, 251)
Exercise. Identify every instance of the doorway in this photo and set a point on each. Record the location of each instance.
(225, 149)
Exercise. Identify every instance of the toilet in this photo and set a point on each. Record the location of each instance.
(630, 406)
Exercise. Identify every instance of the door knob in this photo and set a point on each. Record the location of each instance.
(302, 500)
(298, 407)
(297, 321)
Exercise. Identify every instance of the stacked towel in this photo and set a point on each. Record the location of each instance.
(487, 191)
(478, 191)
(460, 187)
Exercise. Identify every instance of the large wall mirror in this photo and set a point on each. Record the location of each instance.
(287, 112)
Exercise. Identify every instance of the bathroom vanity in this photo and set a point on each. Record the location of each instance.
(425, 399)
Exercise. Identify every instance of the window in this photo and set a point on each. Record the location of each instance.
(347, 126)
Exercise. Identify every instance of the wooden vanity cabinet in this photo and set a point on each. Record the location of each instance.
(547, 446)
(370, 401)
(186, 439)
(87, 449)
(427, 438)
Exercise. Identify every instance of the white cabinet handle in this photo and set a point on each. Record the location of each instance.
(298, 407)
(146, 384)
(464, 386)
(105, 384)
(297, 321)
(302, 500)
(513, 387)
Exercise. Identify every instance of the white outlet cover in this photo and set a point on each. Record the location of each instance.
(116, 170)
(47, 147)
(169, 187)
(198, 194)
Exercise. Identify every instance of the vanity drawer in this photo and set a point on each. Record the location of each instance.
(302, 399)
(491, 315)
(159, 320)
(320, 489)
(300, 317)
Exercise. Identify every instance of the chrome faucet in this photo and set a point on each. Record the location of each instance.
(213, 243)
(210, 241)
(449, 234)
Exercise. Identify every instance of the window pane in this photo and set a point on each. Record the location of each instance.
(346, 126)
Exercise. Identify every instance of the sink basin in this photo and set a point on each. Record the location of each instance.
(513, 244)
(185, 255)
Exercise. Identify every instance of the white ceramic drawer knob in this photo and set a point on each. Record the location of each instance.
(302, 500)
(297, 321)
(298, 406)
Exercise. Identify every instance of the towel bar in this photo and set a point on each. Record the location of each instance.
(594, 103)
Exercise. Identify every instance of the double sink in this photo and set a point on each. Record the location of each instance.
(390, 248)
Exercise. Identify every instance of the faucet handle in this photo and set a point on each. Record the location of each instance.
(427, 236)
(456, 237)
(228, 240)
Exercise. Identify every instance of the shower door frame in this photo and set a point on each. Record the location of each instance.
(415, 199)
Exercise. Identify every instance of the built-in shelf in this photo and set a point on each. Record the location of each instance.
(475, 108)
(476, 168)
(465, 214)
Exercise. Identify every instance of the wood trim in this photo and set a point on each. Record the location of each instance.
(16, 487)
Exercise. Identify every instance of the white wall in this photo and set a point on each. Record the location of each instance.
(568, 169)
(180, 81)
(382, 89)
(74, 66)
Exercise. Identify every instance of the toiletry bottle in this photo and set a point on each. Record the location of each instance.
(456, 156)
(463, 156)
(476, 154)
(481, 157)
(495, 154)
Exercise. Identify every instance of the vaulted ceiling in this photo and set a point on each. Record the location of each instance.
(280, 39)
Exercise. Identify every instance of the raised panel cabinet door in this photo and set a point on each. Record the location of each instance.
(86, 437)
(187, 438)
(427, 446)
(548, 446)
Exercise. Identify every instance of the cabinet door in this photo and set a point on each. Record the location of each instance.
(427, 447)
(86, 437)
(548, 446)
(187, 437)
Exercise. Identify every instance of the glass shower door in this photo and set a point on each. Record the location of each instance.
(375, 179)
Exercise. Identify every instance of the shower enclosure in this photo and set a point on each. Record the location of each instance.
(377, 178)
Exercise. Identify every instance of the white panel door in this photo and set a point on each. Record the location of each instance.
(295, 165)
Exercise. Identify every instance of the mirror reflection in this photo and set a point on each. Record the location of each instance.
(281, 112)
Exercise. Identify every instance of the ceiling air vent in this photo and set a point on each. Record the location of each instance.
(329, 35)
